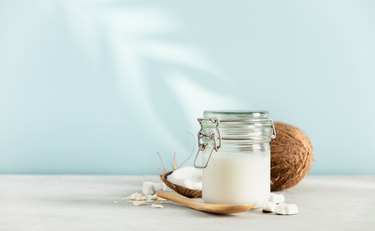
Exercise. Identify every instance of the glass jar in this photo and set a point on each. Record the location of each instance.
(234, 152)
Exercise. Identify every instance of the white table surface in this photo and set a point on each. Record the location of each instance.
(60, 202)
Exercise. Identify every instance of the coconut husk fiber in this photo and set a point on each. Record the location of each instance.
(291, 156)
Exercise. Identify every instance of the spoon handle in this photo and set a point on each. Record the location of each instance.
(179, 199)
(204, 207)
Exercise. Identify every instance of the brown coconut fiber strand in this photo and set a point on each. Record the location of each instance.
(291, 156)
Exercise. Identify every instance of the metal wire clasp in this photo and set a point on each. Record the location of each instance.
(213, 135)
(273, 136)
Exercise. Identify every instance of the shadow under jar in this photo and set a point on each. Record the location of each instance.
(234, 153)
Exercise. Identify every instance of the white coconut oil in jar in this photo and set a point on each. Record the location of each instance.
(234, 152)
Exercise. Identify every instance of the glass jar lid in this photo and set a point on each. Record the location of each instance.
(236, 115)
(239, 125)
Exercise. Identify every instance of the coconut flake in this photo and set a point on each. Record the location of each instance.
(157, 206)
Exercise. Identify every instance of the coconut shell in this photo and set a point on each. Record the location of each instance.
(291, 156)
(190, 193)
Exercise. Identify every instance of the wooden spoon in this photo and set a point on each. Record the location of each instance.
(205, 207)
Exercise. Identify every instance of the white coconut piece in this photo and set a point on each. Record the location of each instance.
(188, 173)
(286, 209)
(187, 177)
(269, 207)
(148, 188)
(277, 198)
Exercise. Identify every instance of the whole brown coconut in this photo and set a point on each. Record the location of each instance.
(291, 156)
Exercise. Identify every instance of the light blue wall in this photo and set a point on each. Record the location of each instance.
(100, 86)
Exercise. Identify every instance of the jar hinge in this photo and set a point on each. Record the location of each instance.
(214, 136)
